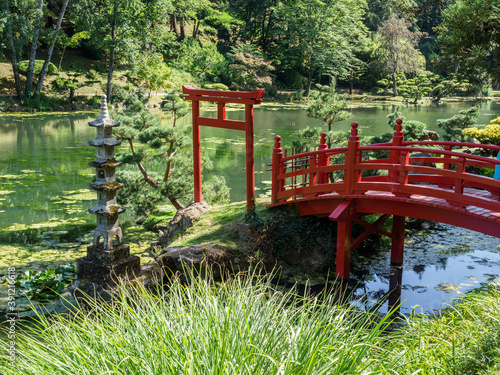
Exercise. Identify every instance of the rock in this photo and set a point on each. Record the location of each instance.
(183, 219)
(151, 274)
(200, 257)
(430, 135)
(422, 155)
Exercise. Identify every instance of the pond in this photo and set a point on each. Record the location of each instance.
(44, 181)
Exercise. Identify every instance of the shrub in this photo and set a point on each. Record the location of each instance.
(490, 134)
(94, 102)
(92, 74)
(376, 91)
(216, 86)
(23, 67)
(286, 236)
(456, 124)
(91, 52)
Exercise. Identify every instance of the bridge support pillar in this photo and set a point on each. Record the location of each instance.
(398, 239)
(343, 261)
(395, 280)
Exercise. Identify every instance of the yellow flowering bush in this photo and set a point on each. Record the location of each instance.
(489, 134)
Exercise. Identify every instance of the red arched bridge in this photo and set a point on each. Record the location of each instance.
(421, 179)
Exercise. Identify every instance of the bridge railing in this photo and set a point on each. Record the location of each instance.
(426, 168)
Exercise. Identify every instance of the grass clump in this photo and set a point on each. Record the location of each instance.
(465, 339)
(238, 326)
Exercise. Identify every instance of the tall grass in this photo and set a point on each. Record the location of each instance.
(245, 326)
(239, 326)
(463, 340)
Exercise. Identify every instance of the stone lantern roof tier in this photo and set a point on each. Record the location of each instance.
(106, 142)
(108, 164)
(104, 123)
(110, 210)
(106, 186)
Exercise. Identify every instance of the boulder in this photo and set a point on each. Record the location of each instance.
(199, 258)
(430, 135)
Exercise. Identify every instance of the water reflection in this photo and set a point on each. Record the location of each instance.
(437, 268)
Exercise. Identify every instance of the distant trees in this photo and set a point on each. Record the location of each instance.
(290, 44)
(319, 37)
(397, 51)
(470, 39)
(23, 20)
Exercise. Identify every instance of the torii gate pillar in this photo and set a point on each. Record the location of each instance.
(249, 98)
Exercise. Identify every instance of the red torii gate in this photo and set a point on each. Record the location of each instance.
(249, 98)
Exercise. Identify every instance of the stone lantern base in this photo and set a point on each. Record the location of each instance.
(104, 267)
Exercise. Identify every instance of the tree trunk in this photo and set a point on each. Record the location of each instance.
(111, 62)
(351, 85)
(308, 87)
(183, 31)
(15, 70)
(173, 24)
(32, 56)
(62, 55)
(394, 84)
(13, 52)
(51, 49)
(176, 203)
(196, 28)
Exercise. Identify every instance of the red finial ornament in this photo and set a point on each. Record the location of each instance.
(354, 128)
(277, 142)
(399, 126)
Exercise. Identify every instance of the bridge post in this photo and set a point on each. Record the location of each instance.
(277, 155)
(398, 239)
(323, 159)
(343, 261)
(350, 175)
(397, 140)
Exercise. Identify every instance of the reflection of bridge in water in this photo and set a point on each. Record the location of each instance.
(422, 179)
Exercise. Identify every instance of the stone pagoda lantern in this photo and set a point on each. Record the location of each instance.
(108, 258)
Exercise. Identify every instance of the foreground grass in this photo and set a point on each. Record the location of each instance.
(245, 326)
(239, 326)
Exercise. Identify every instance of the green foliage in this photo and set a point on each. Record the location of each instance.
(44, 285)
(446, 87)
(71, 84)
(162, 156)
(416, 88)
(397, 51)
(319, 37)
(43, 102)
(455, 125)
(23, 67)
(249, 67)
(377, 91)
(469, 38)
(328, 106)
(200, 59)
(93, 75)
(94, 101)
(287, 236)
(413, 130)
(92, 52)
(153, 72)
(309, 138)
(215, 86)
